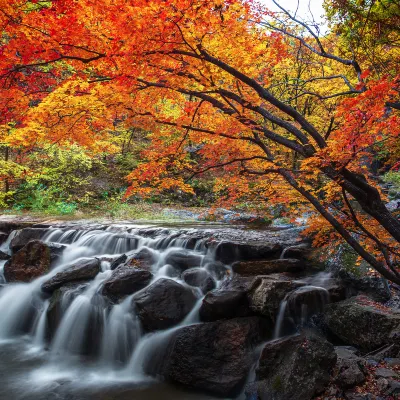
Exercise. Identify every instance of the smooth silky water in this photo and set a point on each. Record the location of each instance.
(33, 368)
(123, 361)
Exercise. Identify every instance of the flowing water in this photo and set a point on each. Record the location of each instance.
(99, 350)
(32, 367)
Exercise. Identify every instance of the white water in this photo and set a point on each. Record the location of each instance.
(121, 348)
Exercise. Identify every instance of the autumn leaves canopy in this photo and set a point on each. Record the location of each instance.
(259, 101)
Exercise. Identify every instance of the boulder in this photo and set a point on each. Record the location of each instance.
(25, 236)
(214, 357)
(359, 322)
(349, 367)
(224, 304)
(306, 301)
(300, 252)
(82, 270)
(125, 281)
(4, 256)
(267, 294)
(266, 267)
(293, 368)
(163, 304)
(183, 259)
(375, 287)
(29, 263)
(199, 277)
(119, 261)
(3, 237)
(143, 259)
(56, 251)
(228, 252)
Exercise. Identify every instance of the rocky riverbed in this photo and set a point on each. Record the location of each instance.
(98, 310)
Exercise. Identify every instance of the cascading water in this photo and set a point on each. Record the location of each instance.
(76, 335)
(108, 333)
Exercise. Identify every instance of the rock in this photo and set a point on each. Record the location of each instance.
(385, 373)
(4, 256)
(56, 251)
(267, 295)
(13, 225)
(163, 304)
(254, 268)
(356, 322)
(296, 367)
(59, 302)
(125, 281)
(300, 252)
(119, 261)
(305, 302)
(25, 236)
(142, 259)
(228, 252)
(29, 263)
(357, 396)
(183, 259)
(214, 357)
(349, 368)
(392, 362)
(199, 277)
(83, 270)
(394, 388)
(3, 237)
(375, 287)
(224, 305)
(217, 270)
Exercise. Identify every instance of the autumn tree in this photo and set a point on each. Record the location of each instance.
(282, 113)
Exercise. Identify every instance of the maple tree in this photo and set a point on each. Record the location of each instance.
(273, 110)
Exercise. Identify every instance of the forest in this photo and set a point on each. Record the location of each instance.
(204, 103)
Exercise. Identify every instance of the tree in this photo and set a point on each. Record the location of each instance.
(249, 90)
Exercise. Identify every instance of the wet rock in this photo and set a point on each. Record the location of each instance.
(59, 302)
(295, 368)
(349, 368)
(199, 277)
(183, 259)
(357, 322)
(25, 236)
(300, 252)
(4, 256)
(125, 281)
(223, 304)
(164, 304)
(214, 357)
(306, 301)
(268, 293)
(217, 270)
(29, 263)
(13, 225)
(228, 252)
(254, 268)
(119, 261)
(240, 283)
(143, 259)
(56, 251)
(82, 270)
(3, 237)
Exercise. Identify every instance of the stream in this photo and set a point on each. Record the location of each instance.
(99, 349)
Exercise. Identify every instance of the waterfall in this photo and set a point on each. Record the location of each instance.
(90, 325)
